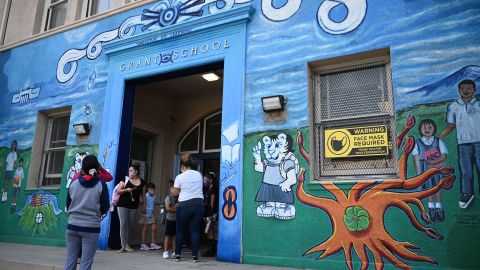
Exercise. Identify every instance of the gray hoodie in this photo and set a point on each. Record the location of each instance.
(87, 201)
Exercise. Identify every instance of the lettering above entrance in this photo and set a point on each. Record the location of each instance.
(171, 56)
(356, 142)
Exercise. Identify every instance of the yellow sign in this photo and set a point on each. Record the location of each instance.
(356, 142)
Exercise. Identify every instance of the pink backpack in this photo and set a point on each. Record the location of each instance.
(116, 195)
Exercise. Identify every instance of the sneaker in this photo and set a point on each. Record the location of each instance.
(440, 214)
(465, 200)
(144, 247)
(128, 248)
(284, 211)
(122, 250)
(265, 210)
(166, 254)
(433, 214)
(194, 259)
(176, 257)
(154, 246)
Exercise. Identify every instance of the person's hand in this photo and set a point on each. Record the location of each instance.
(129, 189)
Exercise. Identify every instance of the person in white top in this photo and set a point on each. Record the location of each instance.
(11, 159)
(463, 115)
(190, 210)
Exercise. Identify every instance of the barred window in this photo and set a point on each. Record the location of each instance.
(350, 97)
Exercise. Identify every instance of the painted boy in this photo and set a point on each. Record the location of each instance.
(463, 114)
(11, 159)
(17, 183)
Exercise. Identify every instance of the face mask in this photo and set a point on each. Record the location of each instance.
(131, 175)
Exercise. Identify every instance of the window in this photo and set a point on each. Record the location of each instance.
(48, 151)
(97, 6)
(54, 149)
(56, 13)
(204, 136)
(353, 94)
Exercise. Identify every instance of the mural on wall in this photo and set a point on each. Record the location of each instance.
(463, 115)
(279, 168)
(230, 156)
(10, 165)
(170, 12)
(39, 213)
(76, 167)
(430, 152)
(357, 218)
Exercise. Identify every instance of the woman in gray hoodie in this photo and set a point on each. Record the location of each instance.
(87, 202)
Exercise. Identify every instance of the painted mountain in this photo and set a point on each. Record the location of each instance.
(442, 90)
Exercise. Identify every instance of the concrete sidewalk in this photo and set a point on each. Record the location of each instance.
(20, 257)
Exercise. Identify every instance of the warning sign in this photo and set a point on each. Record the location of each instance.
(356, 142)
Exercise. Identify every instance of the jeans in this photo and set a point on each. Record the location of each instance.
(83, 242)
(189, 219)
(127, 219)
(468, 156)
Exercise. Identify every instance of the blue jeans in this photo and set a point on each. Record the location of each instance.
(468, 156)
(189, 219)
(80, 242)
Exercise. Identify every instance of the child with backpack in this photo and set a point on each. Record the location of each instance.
(170, 225)
(149, 218)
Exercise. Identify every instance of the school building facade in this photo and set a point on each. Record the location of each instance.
(344, 134)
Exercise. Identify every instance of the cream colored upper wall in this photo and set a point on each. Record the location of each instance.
(21, 20)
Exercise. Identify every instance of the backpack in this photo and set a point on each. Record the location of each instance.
(116, 195)
(289, 156)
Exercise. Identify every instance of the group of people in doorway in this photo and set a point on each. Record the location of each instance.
(191, 202)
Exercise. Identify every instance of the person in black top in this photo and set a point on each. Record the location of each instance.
(128, 203)
(211, 208)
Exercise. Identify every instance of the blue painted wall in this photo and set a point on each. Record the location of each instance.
(433, 45)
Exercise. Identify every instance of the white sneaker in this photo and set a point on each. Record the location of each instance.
(285, 211)
(266, 210)
(166, 254)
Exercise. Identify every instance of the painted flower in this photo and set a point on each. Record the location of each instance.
(356, 218)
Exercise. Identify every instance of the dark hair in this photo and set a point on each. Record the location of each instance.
(289, 141)
(16, 145)
(89, 162)
(136, 167)
(151, 185)
(20, 160)
(210, 175)
(468, 82)
(186, 160)
(425, 122)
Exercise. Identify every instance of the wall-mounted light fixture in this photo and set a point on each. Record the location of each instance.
(210, 77)
(274, 103)
(82, 129)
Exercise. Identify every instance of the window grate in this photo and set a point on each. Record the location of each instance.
(353, 97)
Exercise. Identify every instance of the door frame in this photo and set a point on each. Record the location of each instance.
(213, 38)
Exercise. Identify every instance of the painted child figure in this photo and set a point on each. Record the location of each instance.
(11, 159)
(17, 183)
(430, 152)
(279, 168)
(148, 219)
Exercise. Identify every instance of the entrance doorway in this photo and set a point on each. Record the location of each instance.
(164, 116)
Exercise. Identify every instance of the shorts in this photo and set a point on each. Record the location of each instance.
(171, 227)
(16, 191)
(146, 220)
